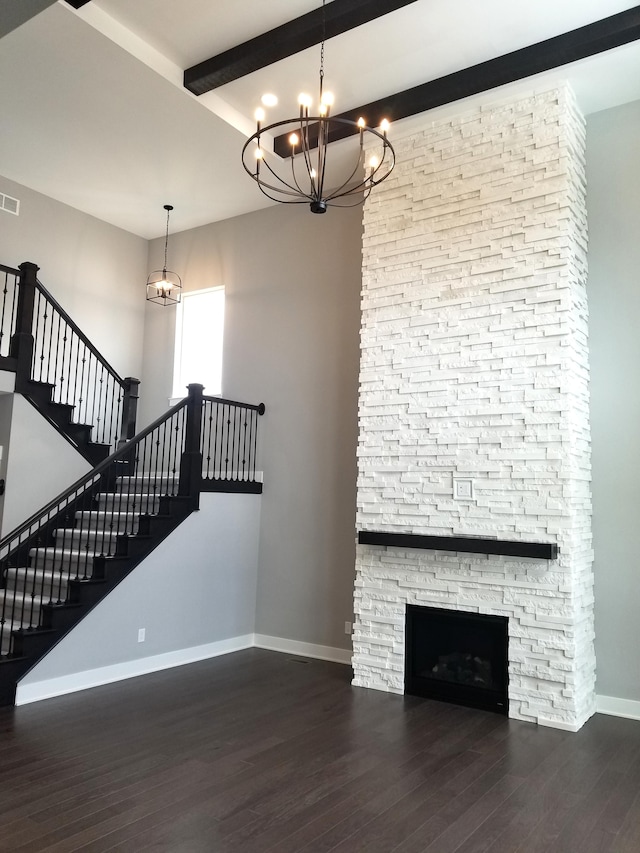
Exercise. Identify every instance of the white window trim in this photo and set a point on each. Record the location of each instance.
(177, 350)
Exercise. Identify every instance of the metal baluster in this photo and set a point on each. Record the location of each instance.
(215, 443)
(97, 401)
(14, 306)
(247, 416)
(35, 367)
(62, 377)
(53, 376)
(173, 441)
(234, 418)
(93, 367)
(255, 445)
(206, 443)
(82, 398)
(74, 368)
(5, 292)
(227, 422)
(163, 445)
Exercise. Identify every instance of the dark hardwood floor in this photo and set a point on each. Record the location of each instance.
(258, 751)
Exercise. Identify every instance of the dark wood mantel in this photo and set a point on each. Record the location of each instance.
(464, 544)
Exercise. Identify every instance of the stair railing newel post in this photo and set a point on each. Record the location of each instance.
(22, 342)
(191, 459)
(129, 410)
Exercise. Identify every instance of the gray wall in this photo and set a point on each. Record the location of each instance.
(14, 13)
(40, 463)
(613, 200)
(96, 272)
(292, 284)
(197, 587)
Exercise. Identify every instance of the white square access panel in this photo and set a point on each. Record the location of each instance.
(463, 489)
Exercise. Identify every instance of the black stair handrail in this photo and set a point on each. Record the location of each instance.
(77, 330)
(50, 348)
(162, 462)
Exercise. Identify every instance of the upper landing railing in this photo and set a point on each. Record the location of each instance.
(41, 343)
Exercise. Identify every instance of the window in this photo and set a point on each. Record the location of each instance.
(199, 329)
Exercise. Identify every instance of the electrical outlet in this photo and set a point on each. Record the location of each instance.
(347, 628)
(141, 635)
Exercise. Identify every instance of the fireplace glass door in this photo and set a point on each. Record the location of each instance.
(457, 657)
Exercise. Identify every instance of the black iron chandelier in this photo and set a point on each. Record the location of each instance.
(164, 286)
(301, 177)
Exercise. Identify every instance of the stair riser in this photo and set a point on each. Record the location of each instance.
(152, 485)
(23, 608)
(128, 503)
(47, 587)
(56, 562)
(99, 542)
(112, 521)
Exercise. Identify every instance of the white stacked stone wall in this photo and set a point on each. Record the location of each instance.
(474, 364)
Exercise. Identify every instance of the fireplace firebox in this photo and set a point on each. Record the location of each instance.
(457, 657)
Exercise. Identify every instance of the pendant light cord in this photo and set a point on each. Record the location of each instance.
(166, 240)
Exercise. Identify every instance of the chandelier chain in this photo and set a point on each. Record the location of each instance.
(166, 239)
(324, 35)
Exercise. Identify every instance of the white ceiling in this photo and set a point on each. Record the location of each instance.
(94, 113)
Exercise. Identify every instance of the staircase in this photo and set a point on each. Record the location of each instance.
(67, 557)
(59, 371)
(58, 583)
(61, 416)
(61, 562)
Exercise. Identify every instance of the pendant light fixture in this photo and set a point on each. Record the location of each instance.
(164, 286)
(301, 177)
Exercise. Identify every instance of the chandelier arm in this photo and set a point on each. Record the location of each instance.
(304, 134)
(320, 150)
(380, 164)
(283, 191)
(357, 203)
(293, 190)
(282, 200)
(337, 192)
(295, 177)
(361, 185)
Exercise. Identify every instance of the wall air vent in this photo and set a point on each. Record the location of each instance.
(9, 204)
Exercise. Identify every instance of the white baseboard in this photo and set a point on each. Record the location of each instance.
(52, 687)
(629, 708)
(305, 650)
(130, 669)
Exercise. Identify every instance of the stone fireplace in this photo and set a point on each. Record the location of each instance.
(474, 399)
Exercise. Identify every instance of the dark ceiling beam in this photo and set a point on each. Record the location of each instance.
(77, 4)
(284, 41)
(546, 55)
